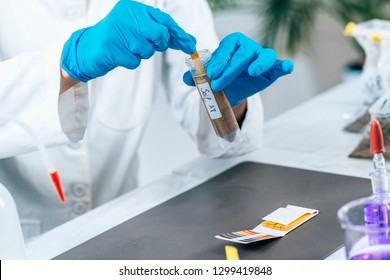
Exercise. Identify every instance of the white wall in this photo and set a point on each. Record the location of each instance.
(318, 69)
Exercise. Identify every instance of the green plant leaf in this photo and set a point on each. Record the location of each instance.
(221, 5)
(286, 25)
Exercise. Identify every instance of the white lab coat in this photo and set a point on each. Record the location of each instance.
(99, 163)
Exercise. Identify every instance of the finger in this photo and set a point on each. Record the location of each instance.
(179, 39)
(236, 65)
(280, 68)
(187, 79)
(157, 34)
(144, 49)
(264, 61)
(221, 57)
(129, 61)
(287, 67)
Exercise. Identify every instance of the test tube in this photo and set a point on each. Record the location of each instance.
(217, 105)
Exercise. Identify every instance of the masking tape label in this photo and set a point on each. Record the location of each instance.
(209, 101)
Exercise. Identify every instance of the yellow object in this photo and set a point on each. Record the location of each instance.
(198, 63)
(349, 28)
(231, 253)
(195, 55)
(376, 38)
(294, 223)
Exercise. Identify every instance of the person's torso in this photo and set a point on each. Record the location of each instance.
(104, 164)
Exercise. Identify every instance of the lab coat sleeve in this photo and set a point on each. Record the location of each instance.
(29, 92)
(195, 17)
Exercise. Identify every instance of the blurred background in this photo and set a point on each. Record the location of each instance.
(309, 32)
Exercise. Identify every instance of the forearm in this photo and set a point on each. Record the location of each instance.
(30, 93)
(66, 81)
(240, 112)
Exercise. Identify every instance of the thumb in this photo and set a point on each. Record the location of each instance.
(188, 80)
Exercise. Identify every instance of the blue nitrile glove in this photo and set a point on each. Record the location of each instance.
(242, 68)
(130, 32)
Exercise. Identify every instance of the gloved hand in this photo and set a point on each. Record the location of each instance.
(130, 32)
(242, 68)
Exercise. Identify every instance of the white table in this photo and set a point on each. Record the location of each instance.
(309, 136)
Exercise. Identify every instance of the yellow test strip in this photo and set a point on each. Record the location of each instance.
(198, 63)
(231, 253)
(195, 55)
(376, 38)
(294, 223)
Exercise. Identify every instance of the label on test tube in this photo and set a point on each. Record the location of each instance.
(209, 100)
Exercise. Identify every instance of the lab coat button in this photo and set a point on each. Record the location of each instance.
(79, 190)
(79, 208)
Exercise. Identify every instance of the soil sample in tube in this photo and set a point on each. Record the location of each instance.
(217, 105)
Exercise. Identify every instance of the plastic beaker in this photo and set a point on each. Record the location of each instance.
(364, 240)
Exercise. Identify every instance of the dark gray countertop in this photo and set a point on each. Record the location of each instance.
(184, 226)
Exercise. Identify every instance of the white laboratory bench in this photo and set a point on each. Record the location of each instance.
(309, 136)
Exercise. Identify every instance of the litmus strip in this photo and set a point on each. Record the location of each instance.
(276, 224)
(198, 64)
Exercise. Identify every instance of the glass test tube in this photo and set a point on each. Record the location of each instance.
(217, 105)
